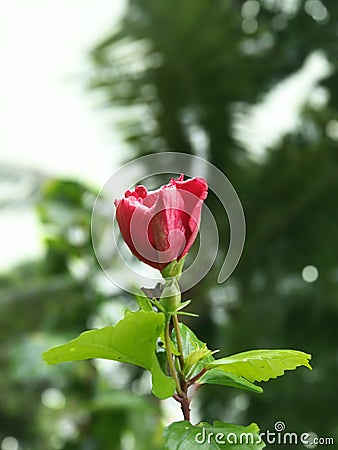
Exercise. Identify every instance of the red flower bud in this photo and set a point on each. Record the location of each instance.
(160, 226)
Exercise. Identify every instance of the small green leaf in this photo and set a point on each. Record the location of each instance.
(190, 341)
(172, 345)
(190, 344)
(261, 365)
(132, 340)
(194, 357)
(172, 348)
(144, 303)
(185, 436)
(218, 376)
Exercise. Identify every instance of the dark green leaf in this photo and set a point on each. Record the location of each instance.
(185, 436)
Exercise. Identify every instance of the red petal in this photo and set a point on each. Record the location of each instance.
(171, 214)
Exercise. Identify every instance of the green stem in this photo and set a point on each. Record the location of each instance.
(183, 399)
(179, 341)
(170, 358)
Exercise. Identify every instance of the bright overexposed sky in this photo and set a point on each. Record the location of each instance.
(48, 120)
(262, 126)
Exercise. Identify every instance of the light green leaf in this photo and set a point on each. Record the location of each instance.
(218, 376)
(163, 386)
(190, 344)
(185, 436)
(261, 365)
(132, 340)
(194, 357)
(171, 345)
(144, 302)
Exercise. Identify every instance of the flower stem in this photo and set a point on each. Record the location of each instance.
(170, 359)
(185, 405)
(183, 399)
(196, 377)
(179, 340)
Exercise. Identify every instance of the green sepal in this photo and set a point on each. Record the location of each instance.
(187, 314)
(174, 269)
(183, 305)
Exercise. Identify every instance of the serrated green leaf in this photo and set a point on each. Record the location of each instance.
(132, 340)
(219, 377)
(261, 365)
(190, 343)
(185, 436)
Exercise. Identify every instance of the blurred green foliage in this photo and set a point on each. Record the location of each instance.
(44, 302)
(174, 70)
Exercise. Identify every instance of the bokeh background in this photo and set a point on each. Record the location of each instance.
(252, 86)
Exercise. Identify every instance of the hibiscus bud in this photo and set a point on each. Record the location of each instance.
(171, 296)
(160, 226)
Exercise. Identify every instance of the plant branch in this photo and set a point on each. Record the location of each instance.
(179, 341)
(181, 385)
(196, 377)
(185, 405)
(170, 359)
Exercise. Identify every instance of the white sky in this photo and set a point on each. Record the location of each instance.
(48, 121)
